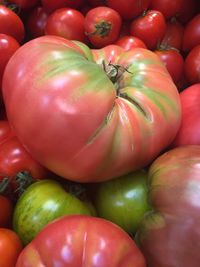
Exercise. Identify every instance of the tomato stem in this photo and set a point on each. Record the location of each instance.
(102, 29)
(24, 180)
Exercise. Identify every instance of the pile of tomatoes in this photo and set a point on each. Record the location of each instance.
(99, 133)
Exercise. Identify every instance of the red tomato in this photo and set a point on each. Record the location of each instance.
(189, 131)
(128, 42)
(192, 65)
(79, 240)
(168, 8)
(25, 3)
(191, 36)
(173, 61)
(36, 22)
(11, 24)
(5, 131)
(67, 23)
(150, 28)
(10, 247)
(129, 9)
(8, 45)
(52, 5)
(102, 26)
(188, 10)
(6, 210)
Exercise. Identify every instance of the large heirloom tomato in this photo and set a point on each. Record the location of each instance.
(87, 120)
(170, 235)
(81, 241)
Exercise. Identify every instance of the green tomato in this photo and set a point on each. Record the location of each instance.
(124, 200)
(41, 203)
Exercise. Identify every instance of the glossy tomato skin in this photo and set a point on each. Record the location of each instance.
(150, 28)
(10, 247)
(94, 241)
(42, 202)
(123, 134)
(167, 7)
(8, 45)
(170, 236)
(6, 211)
(123, 200)
(11, 24)
(102, 26)
(189, 131)
(191, 65)
(67, 23)
(128, 42)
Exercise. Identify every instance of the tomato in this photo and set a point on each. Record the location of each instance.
(25, 3)
(192, 65)
(36, 22)
(8, 45)
(66, 22)
(102, 26)
(119, 111)
(6, 211)
(42, 202)
(173, 61)
(52, 5)
(170, 235)
(123, 200)
(81, 241)
(189, 131)
(150, 28)
(128, 42)
(5, 131)
(191, 36)
(167, 7)
(188, 10)
(129, 9)
(10, 247)
(11, 24)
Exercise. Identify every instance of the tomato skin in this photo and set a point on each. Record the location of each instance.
(97, 136)
(189, 131)
(8, 45)
(167, 7)
(187, 11)
(150, 28)
(42, 202)
(6, 211)
(191, 65)
(25, 3)
(128, 42)
(52, 5)
(102, 26)
(123, 200)
(10, 247)
(123, 7)
(67, 23)
(191, 36)
(11, 24)
(91, 236)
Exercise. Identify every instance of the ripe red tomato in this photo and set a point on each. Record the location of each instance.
(191, 36)
(79, 240)
(168, 8)
(102, 26)
(25, 3)
(173, 61)
(129, 9)
(52, 5)
(6, 211)
(192, 65)
(10, 247)
(11, 23)
(67, 23)
(8, 45)
(150, 28)
(128, 42)
(189, 131)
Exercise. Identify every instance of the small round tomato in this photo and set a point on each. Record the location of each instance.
(192, 65)
(8, 45)
(11, 23)
(6, 211)
(168, 8)
(10, 247)
(150, 28)
(128, 42)
(102, 26)
(67, 23)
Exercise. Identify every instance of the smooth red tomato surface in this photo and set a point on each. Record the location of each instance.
(129, 9)
(81, 241)
(128, 42)
(189, 131)
(8, 45)
(168, 8)
(192, 65)
(150, 28)
(52, 5)
(6, 208)
(10, 247)
(11, 23)
(102, 26)
(67, 23)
